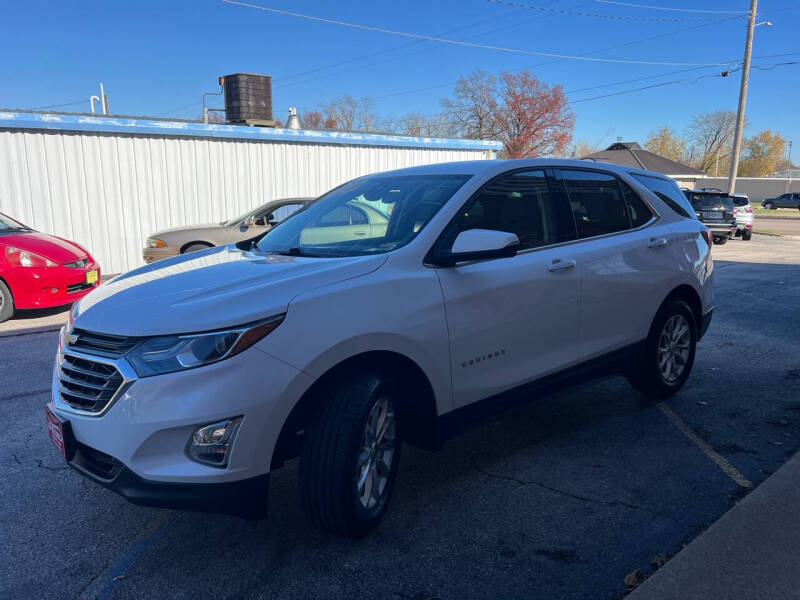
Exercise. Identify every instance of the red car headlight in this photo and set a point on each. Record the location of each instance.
(24, 258)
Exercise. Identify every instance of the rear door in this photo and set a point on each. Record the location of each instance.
(625, 259)
(512, 320)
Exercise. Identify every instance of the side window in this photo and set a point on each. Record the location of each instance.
(637, 210)
(338, 217)
(282, 212)
(358, 216)
(520, 203)
(669, 193)
(596, 201)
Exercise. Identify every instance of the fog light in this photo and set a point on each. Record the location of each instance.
(211, 444)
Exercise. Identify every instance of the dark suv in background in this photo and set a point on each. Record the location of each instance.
(789, 200)
(715, 209)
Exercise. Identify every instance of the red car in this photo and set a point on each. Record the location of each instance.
(39, 270)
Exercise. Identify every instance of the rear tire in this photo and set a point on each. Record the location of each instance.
(350, 455)
(769, 206)
(747, 234)
(6, 303)
(669, 352)
(721, 240)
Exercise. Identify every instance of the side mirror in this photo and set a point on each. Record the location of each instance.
(479, 244)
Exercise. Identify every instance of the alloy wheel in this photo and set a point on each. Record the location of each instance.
(378, 447)
(674, 345)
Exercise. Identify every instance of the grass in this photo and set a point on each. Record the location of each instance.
(780, 213)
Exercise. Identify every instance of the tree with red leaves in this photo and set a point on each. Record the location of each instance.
(533, 119)
(528, 116)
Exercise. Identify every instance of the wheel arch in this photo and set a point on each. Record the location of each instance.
(195, 242)
(689, 295)
(418, 414)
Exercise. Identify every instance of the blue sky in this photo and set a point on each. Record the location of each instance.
(158, 57)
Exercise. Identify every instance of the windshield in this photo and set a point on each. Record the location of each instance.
(740, 201)
(9, 224)
(371, 215)
(240, 218)
(706, 201)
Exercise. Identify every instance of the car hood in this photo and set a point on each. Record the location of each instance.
(43, 244)
(213, 289)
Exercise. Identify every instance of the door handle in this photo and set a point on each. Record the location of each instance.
(657, 242)
(561, 265)
(359, 233)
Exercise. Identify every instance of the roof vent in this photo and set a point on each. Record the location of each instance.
(294, 120)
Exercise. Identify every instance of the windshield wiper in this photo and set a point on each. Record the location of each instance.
(297, 252)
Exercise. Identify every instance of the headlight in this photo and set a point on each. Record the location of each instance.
(25, 258)
(156, 243)
(167, 354)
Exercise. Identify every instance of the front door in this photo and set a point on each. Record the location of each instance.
(512, 320)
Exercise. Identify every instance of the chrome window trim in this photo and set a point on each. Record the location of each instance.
(122, 366)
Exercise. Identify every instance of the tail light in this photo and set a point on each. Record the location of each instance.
(748, 209)
(708, 238)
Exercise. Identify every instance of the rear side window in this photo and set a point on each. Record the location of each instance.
(597, 202)
(669, 193)
(637, 210)
(520, 203)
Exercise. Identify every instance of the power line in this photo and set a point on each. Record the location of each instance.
(538, 18)
(60, 105)
(686, 10)
(541, 64)
(576, 13)
(463, 43)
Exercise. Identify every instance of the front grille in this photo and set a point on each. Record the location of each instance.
(79, 287)
(87, 385)
(78, 264)
(102, 344)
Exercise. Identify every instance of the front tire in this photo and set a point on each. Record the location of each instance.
(6, 303)
(769, 206)
(350, 457)
(669, 352)
(196, 248)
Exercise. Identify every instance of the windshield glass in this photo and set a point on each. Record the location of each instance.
(371, 215)
(9, 224)
(740, 201)
(240, 218)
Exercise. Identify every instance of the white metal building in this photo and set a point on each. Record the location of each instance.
(107, 182)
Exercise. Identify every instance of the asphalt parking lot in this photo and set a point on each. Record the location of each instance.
(560, 498)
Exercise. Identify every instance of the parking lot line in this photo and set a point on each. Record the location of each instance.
(721, 461)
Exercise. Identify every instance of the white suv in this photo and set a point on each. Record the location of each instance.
(186, 382)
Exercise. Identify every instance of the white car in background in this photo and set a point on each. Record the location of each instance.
(489, 281)
(743, 213)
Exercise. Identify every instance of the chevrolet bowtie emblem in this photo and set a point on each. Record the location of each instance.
(72, 338)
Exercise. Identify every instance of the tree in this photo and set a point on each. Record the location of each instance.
(473, 108)
(350, 114)
(424, 126)
(666, 142)
(762, 154)
(711, 136)
(533, 119)
(580, 149)
(313, 119)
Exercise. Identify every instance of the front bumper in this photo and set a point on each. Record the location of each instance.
(145, 430)
(246, 498)
(151, 255)
(35, 287)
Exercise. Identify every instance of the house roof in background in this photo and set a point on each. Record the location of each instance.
(631, 154)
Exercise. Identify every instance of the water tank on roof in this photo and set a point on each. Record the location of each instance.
(248, 98)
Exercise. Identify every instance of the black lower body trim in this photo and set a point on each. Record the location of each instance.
(705, 321)
(246, 498)
(613, 363)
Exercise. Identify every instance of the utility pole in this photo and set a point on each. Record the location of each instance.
(737, 137)
(789, 162)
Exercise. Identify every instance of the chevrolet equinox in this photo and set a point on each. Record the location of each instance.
(185, 383)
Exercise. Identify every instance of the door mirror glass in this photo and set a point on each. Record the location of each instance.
(480, 244)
